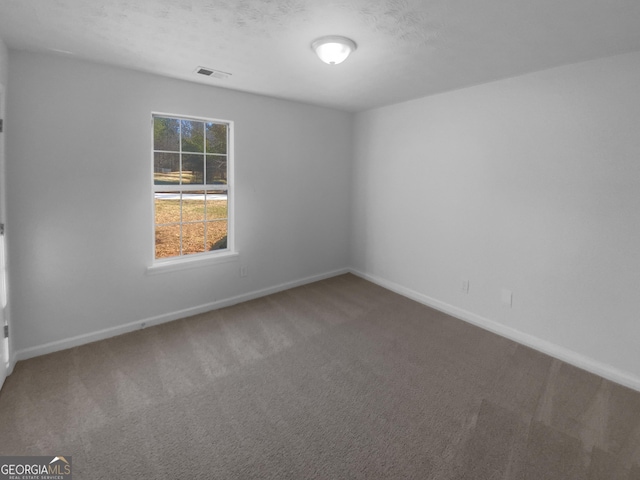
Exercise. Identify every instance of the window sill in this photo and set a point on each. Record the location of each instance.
(195, 261)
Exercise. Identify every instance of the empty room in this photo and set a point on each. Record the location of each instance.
(304, 239)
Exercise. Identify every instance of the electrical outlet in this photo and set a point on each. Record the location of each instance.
(244, 271)
(465, 286)
(507, 297)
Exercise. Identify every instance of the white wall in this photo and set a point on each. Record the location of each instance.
(78, 152)
(4, 63)
(530, 184)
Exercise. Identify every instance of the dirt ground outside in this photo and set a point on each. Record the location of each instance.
(201, 227)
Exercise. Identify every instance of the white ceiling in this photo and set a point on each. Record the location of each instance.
(406, 48)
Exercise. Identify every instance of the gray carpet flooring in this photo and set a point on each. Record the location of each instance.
(339, 379)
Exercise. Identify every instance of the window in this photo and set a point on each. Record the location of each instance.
(191, 164)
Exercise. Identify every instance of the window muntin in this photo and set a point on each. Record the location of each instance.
(190, 186)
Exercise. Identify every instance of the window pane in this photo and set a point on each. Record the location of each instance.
(166, 168)
(216, 205)
(216, 138)
(193, 169)
(190, 170)
(192, 136)
(192, 206)
(167, 207)
(168, 241)
(216, 169)
(192, 238)
(217, 235)
(166, 134)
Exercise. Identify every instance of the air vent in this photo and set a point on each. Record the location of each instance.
(210, 72)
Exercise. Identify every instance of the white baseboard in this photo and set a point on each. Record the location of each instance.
(159, 319)
(561, 353)
(604, 370)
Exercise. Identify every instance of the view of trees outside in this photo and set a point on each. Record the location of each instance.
(190, 186)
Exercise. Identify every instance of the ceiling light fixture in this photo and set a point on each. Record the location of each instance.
(333, 49)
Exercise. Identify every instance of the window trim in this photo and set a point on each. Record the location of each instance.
(159, 265)
(193, 260)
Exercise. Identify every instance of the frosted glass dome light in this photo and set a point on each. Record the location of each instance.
(333, 49)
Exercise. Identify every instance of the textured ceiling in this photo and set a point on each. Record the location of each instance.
(406, 48)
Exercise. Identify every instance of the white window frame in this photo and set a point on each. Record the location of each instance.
(160, 265)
